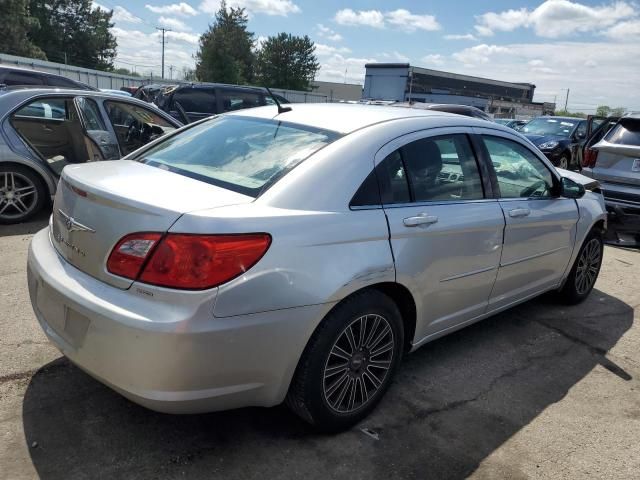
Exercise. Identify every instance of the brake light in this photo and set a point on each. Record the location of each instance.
(590, 158)
(187, 261)
(129, 254)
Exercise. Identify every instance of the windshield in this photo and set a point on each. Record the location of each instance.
(242, 154)
(549, 126)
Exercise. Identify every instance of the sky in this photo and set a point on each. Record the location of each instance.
(591, 48)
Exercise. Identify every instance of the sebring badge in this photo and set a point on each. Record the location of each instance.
(72, 225)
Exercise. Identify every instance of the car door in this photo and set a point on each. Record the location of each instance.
(445, 230)
(43, 123)
(101, 143)
(135, 125)
(578, 137)
(540, 227)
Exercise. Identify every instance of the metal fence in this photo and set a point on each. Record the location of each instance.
(100, 79)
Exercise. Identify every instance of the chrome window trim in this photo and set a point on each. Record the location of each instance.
(438, 202)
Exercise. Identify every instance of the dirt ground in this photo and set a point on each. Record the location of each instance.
(541, 391)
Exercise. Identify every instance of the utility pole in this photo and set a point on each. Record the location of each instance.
(163, 30)
(566, 101)
(171, 67)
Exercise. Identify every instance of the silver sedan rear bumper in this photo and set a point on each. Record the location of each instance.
(185, 362)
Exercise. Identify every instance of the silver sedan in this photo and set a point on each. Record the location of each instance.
(258, 257)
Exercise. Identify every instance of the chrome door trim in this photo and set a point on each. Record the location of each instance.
(436, 202)
(468, 274)
(531, 257)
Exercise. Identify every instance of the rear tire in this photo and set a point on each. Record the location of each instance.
(22, 194)
(585, 270)
(348, 363)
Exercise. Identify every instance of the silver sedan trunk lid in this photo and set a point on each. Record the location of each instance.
(99, 203)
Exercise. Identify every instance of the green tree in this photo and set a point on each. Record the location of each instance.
(603, 110)
(17, 23)
(287, 61)
(618, 111)
(74, 33)
(567, 113)
(225, 53)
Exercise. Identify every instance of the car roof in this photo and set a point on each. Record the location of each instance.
(345, 117)
(13, 96)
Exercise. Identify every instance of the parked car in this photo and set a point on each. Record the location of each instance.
(559, 138)
(466, 110)
(597, 128)
(13, 76)
(241, 261)
(122, 93)
(44, 130)
(511, 123)
(615, 162)
(195, 101)
(129, 90)
(149, 93)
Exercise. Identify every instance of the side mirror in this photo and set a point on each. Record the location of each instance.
(571, 189)
(581, 135)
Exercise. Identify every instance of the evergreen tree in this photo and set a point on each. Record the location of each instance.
(287, 61)
(17, 23)
(225, 53)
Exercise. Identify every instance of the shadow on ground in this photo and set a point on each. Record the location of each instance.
(37, 223)
(455, 401)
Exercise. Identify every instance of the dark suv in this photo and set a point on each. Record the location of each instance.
(559, 138)
(11, 76)
(194, 101)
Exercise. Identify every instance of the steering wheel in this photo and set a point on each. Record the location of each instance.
(529, 191)
(138, 131)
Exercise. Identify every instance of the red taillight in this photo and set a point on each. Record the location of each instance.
(590, 158)
(129, 254)
(195, 262)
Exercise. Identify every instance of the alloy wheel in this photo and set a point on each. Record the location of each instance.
(564, 163)
(358, 363)
(18, 195)
(588, 266)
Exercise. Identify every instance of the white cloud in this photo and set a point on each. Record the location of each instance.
(626, 31)
(182, 9)
(326, 50)
(121, 15)
(555, 18)
(369, 18)
(174, 24)
(326, 32)
(401, 18)
(468, 36)
(410, 22)
(478, 53)
(183, 37)
(269, 7)
(338, 68)
(395, 56)
(433, 59)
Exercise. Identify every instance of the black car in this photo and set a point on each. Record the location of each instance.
(194, 101)
(12, 76)
(559, 138)
(466, 110)
(150, 92)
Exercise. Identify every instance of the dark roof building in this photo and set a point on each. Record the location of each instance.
(403, 82)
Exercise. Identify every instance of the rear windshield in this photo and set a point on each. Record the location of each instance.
(626, 132)
(242, 154)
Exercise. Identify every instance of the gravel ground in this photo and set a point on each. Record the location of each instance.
(541, 391)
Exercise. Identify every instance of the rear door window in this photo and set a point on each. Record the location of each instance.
(626, 132)
(238, 100)
(196, 100)
(50, 108)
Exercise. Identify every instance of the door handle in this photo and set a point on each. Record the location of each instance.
(519, 212)
(421, 219)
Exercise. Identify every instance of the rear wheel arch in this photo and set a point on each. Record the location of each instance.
(47, 184)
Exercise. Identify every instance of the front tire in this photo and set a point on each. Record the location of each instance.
(585, 270)
(564, 162)
(349, 362)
